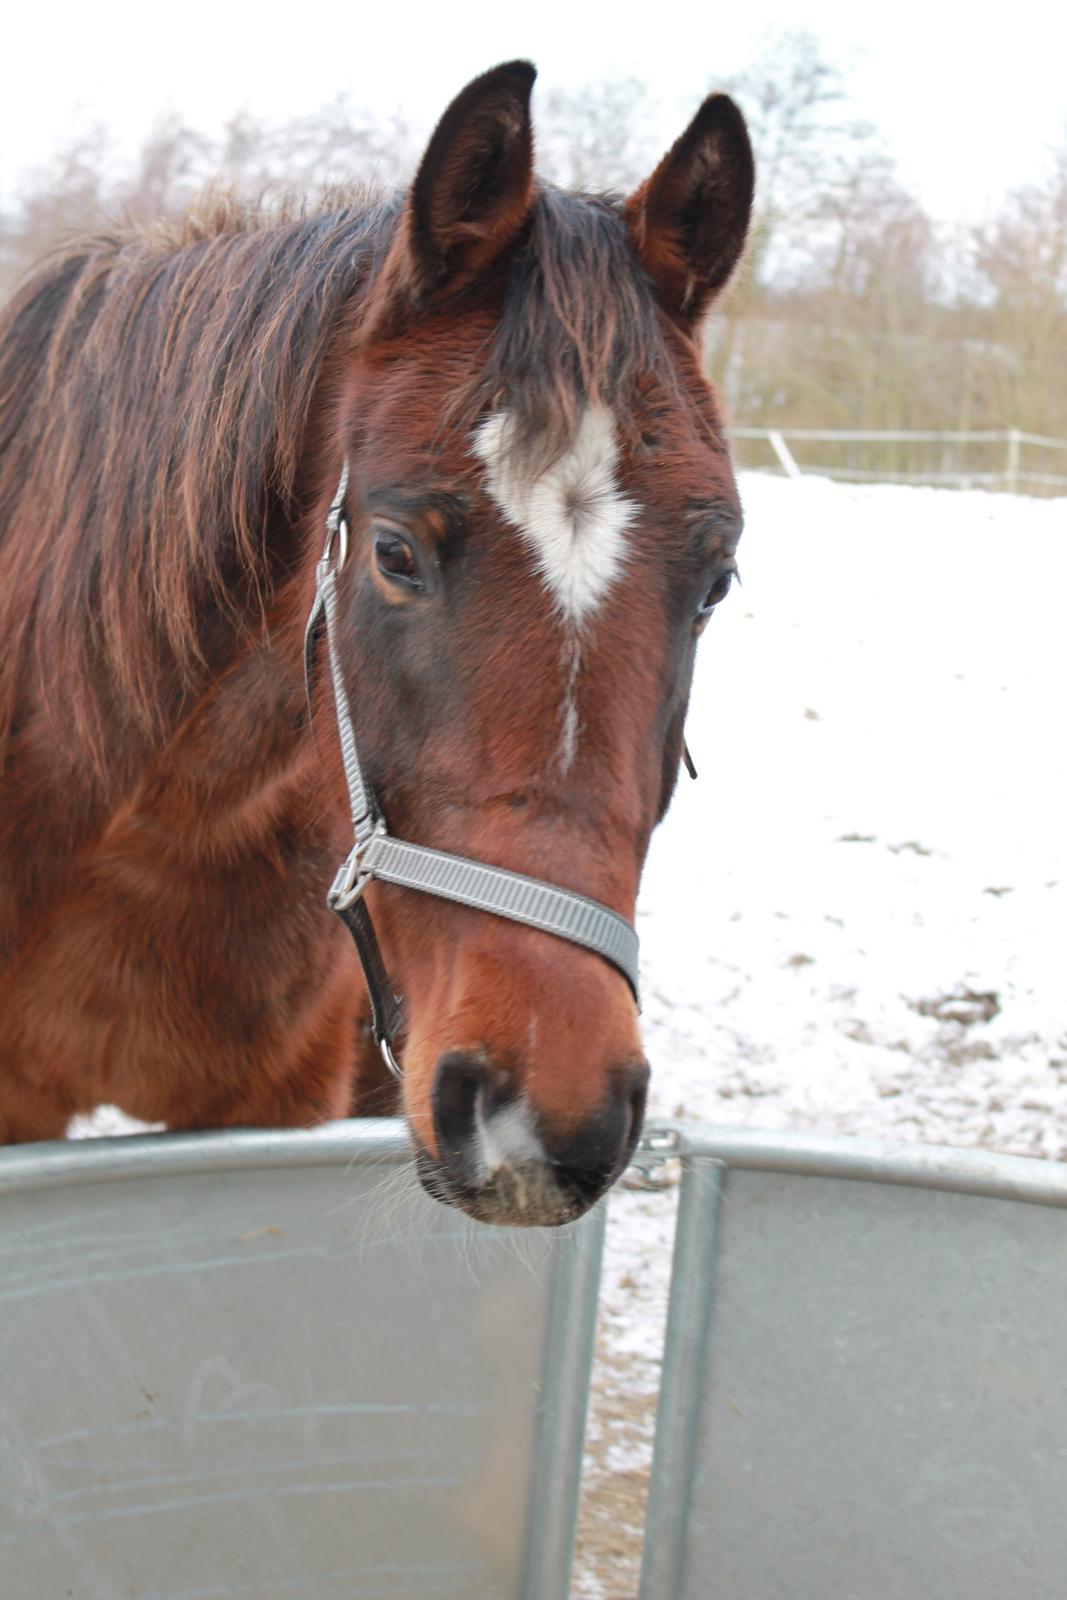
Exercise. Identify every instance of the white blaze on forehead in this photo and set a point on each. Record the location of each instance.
(572, 516)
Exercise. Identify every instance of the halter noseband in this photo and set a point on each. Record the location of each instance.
(376, 854)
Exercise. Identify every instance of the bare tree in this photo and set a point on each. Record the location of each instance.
(332, 146)
(1021, 258)
(599, 137)
(810, 148)
(86, 186)
(67, 195)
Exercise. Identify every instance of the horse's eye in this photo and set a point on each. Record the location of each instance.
(718, 591)
(395, 559)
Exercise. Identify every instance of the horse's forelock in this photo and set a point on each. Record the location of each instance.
(579, 328)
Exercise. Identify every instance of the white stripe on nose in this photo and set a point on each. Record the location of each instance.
(505, 1138)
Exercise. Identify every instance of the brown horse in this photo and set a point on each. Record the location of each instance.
(542, 515)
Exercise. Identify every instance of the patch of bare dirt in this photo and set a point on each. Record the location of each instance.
(612, 1512)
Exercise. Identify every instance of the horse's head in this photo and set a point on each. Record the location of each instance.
(543, 516)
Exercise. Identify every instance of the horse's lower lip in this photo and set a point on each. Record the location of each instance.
(524, 1196)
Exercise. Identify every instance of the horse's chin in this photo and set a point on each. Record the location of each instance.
(524, 1195)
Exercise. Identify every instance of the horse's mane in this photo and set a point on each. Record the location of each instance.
(155, 389)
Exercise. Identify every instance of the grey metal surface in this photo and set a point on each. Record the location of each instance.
(686, 1354)
(926, 1166)
(868, 1399)
(265, 1365)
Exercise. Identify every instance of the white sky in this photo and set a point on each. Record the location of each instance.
(968, 102)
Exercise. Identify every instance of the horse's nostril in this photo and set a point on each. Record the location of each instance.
(638, 1102)
(458, 1081)
(597, 1152)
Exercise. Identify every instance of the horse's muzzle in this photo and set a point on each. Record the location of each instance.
(500, 1161)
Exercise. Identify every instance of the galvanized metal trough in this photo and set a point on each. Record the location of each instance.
(263, 1364)
(864, 1387)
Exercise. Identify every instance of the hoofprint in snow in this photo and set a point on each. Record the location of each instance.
(856, 920)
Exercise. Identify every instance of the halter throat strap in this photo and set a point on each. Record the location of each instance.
(375, 854)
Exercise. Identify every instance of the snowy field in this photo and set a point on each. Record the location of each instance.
(856, 920)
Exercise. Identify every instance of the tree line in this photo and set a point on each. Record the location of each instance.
(855, 308)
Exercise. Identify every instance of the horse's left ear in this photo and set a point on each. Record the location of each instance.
(689, 220)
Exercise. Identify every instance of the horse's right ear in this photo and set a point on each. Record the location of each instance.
(473, 190)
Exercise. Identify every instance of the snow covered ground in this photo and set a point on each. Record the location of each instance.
(880, 825)
(856, 920)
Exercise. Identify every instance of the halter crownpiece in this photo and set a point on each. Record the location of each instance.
(376, 854)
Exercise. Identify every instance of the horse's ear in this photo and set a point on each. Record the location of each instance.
(689, 220)
(474, 186)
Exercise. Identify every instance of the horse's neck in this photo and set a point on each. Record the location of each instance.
(240, 762)
(235, 778)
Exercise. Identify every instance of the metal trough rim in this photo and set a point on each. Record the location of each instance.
(143, 1155)
(982, 1173)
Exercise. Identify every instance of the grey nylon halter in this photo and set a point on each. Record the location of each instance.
(376, 854)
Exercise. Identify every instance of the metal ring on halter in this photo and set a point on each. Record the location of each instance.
(388, 1057)
(341, 529)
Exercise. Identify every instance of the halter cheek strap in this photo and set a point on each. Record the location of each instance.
(376, 854)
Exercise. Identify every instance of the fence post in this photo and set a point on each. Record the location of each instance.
(1011, 476)
(783, 452)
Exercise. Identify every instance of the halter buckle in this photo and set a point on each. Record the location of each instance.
(336, 528)
(349, 884)
(352, 879)
(337, 525)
